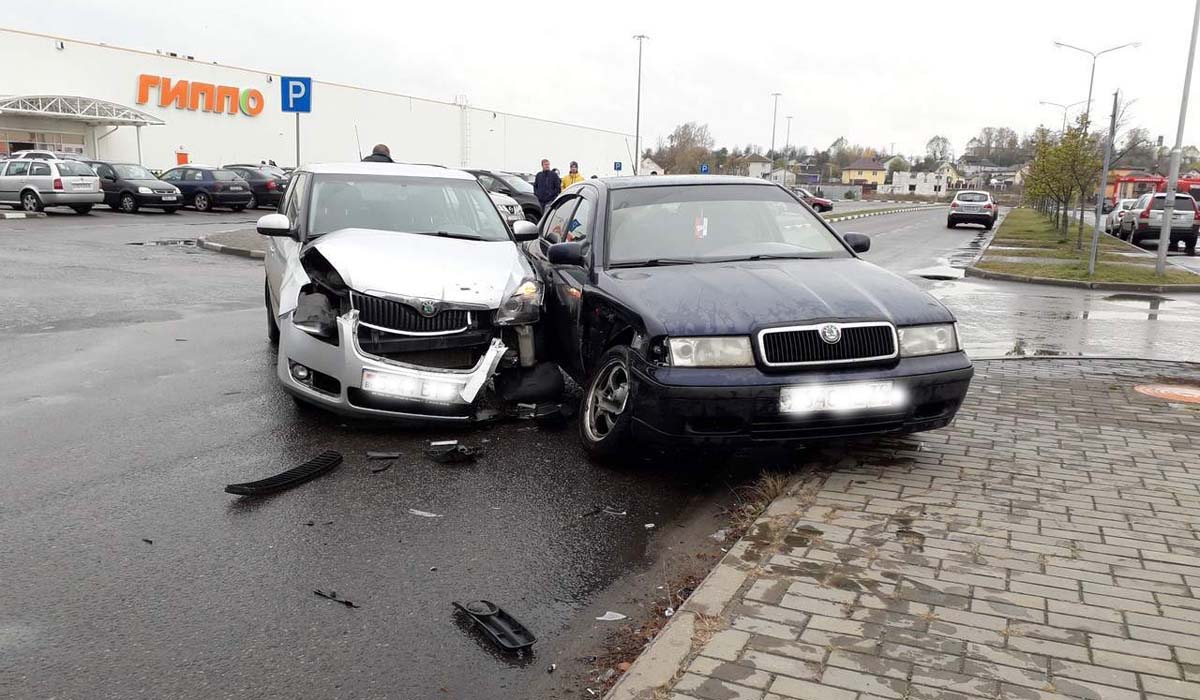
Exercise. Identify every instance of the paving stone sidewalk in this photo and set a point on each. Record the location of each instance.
(1044, 547)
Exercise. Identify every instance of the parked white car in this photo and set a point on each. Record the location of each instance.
(34, 184)
(398, 291)
(1112, 220)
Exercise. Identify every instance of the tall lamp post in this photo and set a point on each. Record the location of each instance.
(1092, 78)
(637, 119)
(1164, 237)
(1064, 108)
(774, 118)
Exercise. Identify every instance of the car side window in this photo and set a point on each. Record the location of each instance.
(488, 182)
(294, 205)
(105, 171)
(555, 224)
(39, 169)
(169, 175)
(580, 226)
(18, 168)
(196, 175)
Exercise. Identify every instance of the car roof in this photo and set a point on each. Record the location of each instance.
(624, 183)
(394, 169)
(973, 192)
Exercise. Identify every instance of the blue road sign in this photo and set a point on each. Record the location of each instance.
(617, 166)
(295, 94)
(704, 168)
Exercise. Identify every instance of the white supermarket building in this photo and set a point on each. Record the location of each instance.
(161, 109)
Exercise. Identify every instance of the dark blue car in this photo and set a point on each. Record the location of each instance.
(205, 188)
(704, 309)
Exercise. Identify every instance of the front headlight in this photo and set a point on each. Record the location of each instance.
(732, 351)
(524, 306)
(145, 190)
(928, 340)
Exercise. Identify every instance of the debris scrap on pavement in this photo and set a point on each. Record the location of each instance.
(451, 452)
(500, 627)
(611, 616)
(322, 463)
(332, 595)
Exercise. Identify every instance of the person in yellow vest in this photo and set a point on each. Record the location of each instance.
(572, 177)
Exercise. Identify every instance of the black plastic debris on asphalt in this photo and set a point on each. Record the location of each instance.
(332, 595)
(503, 629)
(451, 452)
(383, 455)
(321, 464)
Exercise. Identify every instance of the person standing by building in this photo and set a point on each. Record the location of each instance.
(573, 176)
(546, 185)
(379, 154)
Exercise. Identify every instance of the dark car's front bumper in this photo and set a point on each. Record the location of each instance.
(723, 406)
(158, 199)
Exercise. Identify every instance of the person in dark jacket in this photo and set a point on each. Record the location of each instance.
(546, 185)
(379, 154)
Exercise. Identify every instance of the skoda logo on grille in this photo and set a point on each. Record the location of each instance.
(831, 333)
(428, 309)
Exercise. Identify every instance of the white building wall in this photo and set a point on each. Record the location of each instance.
(416, 129)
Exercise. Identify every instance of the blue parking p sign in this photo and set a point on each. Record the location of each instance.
(295, 94)
(704, 168)
(616, 166)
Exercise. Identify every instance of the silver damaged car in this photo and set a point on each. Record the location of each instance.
(398, 291)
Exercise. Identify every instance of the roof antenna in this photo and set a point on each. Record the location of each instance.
(357, 142)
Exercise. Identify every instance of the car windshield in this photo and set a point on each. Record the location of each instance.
(226, 175)
(433, 206)
(1182, 201)
(133, 172)
(71, 167)
(805, 193)
(972, 197)
(516, 183)
(712, 223)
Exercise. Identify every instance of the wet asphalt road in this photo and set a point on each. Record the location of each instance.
(139, 382)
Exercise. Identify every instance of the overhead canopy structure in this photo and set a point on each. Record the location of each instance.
(83, 109)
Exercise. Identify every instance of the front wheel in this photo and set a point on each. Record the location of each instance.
(604, 422)
(82, 208)
(202, 202)
(129, 203)
(951, 224)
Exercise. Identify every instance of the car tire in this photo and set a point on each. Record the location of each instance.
(532, 216)
(82, 208)
(129, 203)
(30, 201)
(605, 417)
(252, 204)
(951, 224)
(202, 202)
(272, 324)
(988, 226)
(238, 207)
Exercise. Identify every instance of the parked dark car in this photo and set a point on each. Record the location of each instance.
(513, 186)
(128, 187)
(266, 187)
(205, 187)
(709, 309)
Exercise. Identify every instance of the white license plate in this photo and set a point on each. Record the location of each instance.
(970, 208)
(168, 198)
(235, 188)
(854, 396)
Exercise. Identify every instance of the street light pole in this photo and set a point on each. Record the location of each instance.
(1108, 150)
(1164, 238)
(1064, 108)
(1092, 77)
(637, 120)
(774, 118)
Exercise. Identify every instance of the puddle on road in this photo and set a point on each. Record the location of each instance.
(167, 242)
(954, 265)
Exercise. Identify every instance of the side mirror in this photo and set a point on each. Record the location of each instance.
(524, 230)
(566, 254)
(274, 225)
(859, 242)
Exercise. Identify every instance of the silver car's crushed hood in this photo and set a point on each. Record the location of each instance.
(416, 266)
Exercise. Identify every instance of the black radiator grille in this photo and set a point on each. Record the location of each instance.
(398, 316)
(806, 345)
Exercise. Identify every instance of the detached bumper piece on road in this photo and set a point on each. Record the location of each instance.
(321, 464)
(500, 627)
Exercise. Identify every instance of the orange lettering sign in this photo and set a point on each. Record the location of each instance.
(199, 97)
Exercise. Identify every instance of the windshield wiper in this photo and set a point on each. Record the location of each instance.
(447, 234)
(771, 256)
(656, 262)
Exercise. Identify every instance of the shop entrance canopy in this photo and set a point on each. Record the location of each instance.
(83, 109)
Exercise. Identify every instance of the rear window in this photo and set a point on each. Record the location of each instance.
(972, 197)
(71, 167)
(1182, 201)
(225, 175)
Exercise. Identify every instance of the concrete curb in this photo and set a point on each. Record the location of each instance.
(834, 219)
(230, 250)
(973, 271)
(22, 214)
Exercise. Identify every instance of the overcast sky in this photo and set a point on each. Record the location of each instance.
(877, 72)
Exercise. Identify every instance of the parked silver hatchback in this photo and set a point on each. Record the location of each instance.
(34, 184)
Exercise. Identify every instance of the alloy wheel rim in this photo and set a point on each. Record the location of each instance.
(127, 203)
(201, 202)
(30, 202)
(607, 400)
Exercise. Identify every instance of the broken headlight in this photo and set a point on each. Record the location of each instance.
(523, 306)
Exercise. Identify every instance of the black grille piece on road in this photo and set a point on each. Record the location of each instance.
(311, 469)
(797, 346)
(398, 316)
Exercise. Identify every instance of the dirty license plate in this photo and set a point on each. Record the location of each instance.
(810, 398)
(235, 188)
(970, 208)
(168, 198)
